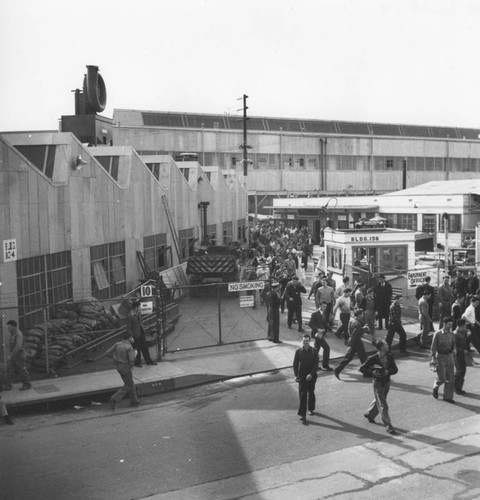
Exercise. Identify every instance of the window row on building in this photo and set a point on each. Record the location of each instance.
(372, 258)
(262, 161)
(46, 280)
(430, 223)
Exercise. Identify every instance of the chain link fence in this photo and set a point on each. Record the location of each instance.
(209, 315)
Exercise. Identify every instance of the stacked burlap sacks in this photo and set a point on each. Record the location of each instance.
(71, 326)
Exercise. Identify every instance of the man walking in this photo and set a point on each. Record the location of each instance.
(293, 297)
(356, 329)
(273, 300)
(344, 304)
(124, 356)
(473, 323)
(383, 300)
(16, 360)
(395, 325)
(446, 298)
(325, 294)
(425, 319)
(443, 352)
(136, 330)
(345, 284)
(380, 366)
(461, 334)
(369, 309)
(305, 366)
(319, 325)
(458, 308)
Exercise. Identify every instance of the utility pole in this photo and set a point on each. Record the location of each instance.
(245, 146)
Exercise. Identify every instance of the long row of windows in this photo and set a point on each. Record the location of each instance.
(385, 259)
(47, 280)
(429, 222)
(261, 161)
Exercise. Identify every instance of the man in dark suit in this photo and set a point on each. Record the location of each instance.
(136, 330)
(319, 325)
(273, 300)
(383, 300)
(293, 297)
(305, 366)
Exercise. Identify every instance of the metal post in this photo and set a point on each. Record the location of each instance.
(446, 218)
(47, 364)
(2, 333)
(220, 342)
(160, 308)
(245, 156)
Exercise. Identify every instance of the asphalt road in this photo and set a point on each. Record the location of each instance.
(189, 437)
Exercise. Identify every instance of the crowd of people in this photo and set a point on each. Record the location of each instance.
(450, 345)
(281, 259)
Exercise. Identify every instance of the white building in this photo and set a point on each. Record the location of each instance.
(423, 209)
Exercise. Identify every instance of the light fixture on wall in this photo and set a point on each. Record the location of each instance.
(78, 163)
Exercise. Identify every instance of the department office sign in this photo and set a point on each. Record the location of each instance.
(246, 286)
(416, 278)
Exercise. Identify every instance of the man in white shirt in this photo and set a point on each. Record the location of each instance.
(344, 304)
(472, 323)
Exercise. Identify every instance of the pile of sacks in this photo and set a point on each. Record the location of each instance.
(71, 326)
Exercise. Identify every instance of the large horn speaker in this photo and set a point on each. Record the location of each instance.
(94, 90)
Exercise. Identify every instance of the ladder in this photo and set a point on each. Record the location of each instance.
(171, 226)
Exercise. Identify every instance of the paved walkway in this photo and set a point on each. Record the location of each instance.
(438, 462)
(179, 370)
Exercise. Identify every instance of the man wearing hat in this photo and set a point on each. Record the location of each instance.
(419, 293)
(395, 325)
(305, 367)
(446, 298)
(273, 300)
(319, 325)
(137, 332)
(383, 300)
(293, 297)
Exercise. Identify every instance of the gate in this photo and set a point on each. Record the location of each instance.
(209, 315)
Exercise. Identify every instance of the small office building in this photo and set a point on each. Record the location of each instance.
(363, 252)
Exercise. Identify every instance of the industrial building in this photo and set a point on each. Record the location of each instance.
(78, 221)
(86, 210)
(297, 157)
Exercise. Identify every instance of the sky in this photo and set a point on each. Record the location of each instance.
(389, 61)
